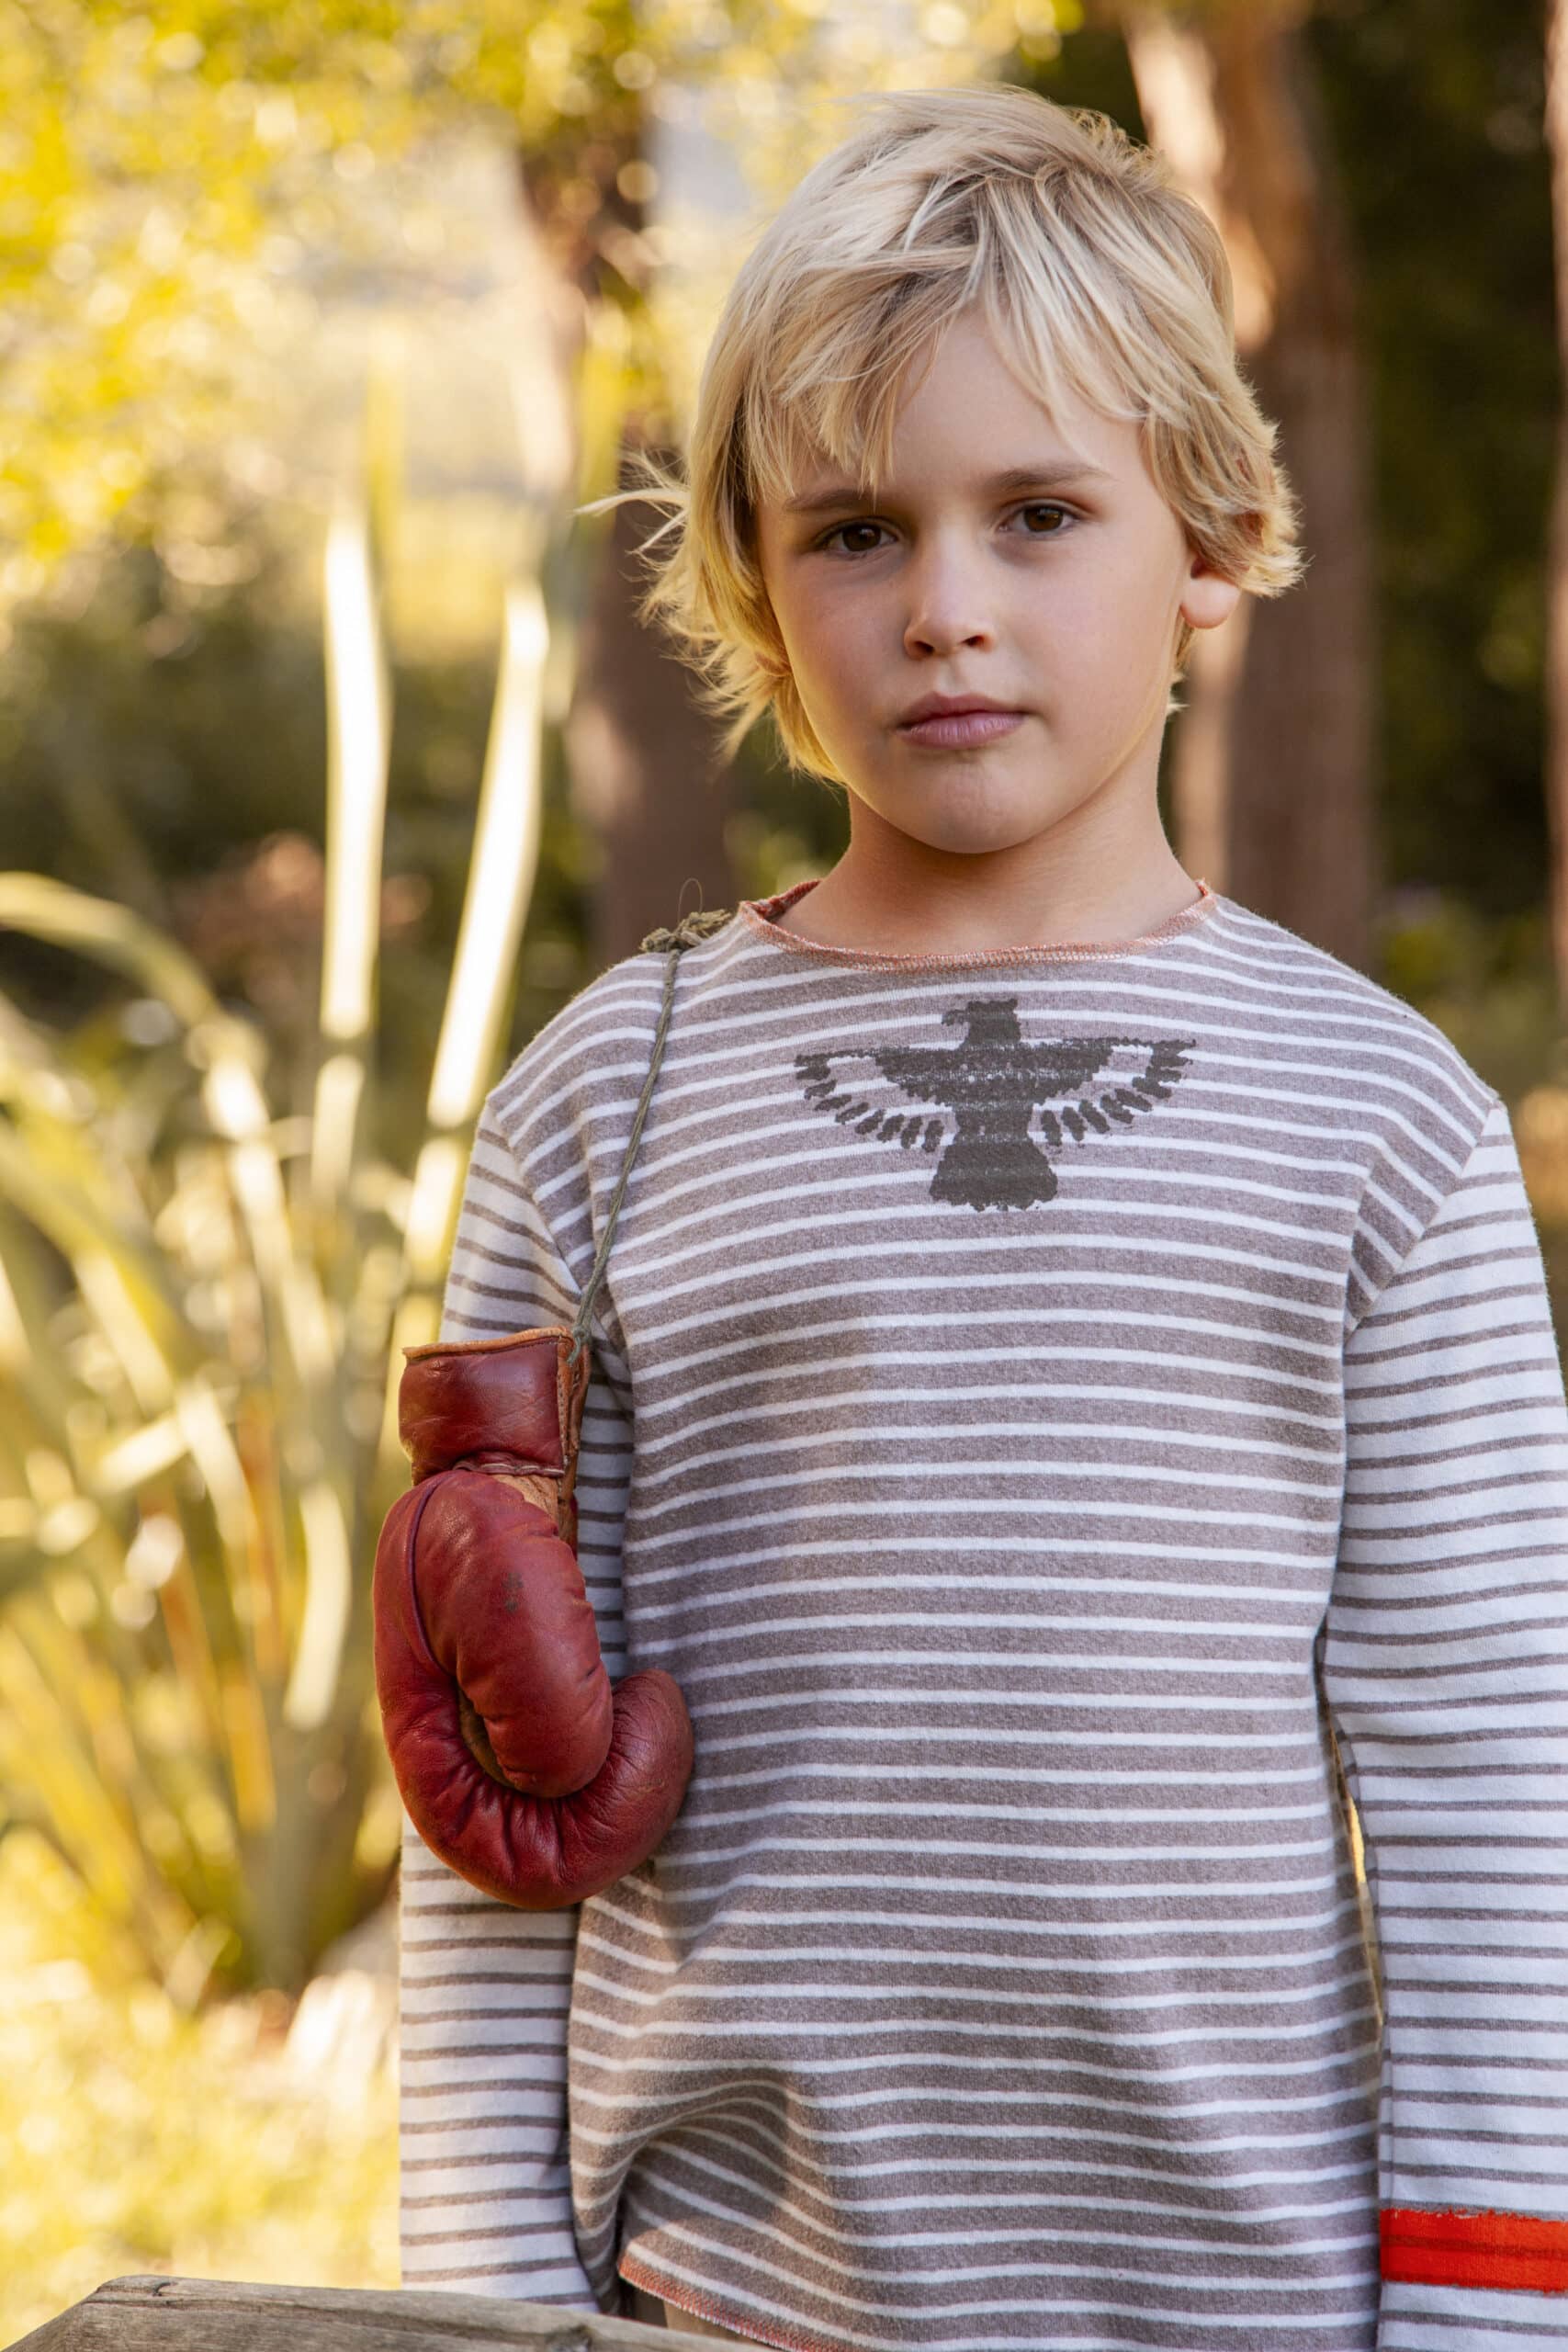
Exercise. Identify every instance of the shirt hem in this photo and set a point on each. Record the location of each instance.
(639, 2273)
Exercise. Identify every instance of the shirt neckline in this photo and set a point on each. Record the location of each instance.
(761, 916)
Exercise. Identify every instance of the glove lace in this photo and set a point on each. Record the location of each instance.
(671, 944)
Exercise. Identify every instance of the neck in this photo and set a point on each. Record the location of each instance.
(1090, 881)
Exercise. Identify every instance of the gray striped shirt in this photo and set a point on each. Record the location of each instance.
(1044, 1400)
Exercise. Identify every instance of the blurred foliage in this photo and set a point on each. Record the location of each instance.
(181, 187)
(1488, 983)
(174, 181)
(166, 746)
(135, 2137)
(207, 1271)
(193, 1342)
(179, 184)
(1436, 110)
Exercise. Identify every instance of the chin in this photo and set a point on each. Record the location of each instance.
(975, 833)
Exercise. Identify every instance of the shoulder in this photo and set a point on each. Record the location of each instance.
(601, 1034)
(1373, 1048)
(591, 1058)
(1342, 1057)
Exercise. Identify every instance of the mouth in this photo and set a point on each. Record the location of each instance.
(955, 729)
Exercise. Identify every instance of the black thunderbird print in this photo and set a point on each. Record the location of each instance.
(996, 1104)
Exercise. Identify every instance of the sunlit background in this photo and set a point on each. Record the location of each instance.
(332, 762)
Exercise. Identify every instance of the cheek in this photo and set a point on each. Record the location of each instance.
(1108, 622)
(824, 639)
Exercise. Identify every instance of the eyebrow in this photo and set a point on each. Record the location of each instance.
(1060, 476)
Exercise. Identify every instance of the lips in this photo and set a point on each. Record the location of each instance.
(952, 706)
(966, 724)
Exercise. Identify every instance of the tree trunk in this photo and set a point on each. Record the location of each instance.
(642, 756)
(1557, 578)
(1272, 762)
(647, 774)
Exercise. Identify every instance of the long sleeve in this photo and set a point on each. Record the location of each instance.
(1445, 1665)
(486, 1989)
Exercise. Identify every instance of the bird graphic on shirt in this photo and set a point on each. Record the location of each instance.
(996, 1103)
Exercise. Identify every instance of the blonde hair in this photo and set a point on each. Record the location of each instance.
(1093, 272)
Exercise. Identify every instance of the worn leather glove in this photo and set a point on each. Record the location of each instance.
(518, 1763)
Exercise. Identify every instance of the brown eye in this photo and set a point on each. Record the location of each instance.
(1058, 515)
(838, 530)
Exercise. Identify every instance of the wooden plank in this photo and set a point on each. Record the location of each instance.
(225, 2315)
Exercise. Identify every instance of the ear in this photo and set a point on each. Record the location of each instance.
(1207, 597)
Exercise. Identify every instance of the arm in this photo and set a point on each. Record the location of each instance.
(1446, 1670)
(485, 1989)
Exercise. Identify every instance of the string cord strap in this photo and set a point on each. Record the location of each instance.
(672, 944)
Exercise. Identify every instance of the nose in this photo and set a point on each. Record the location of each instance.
(948, 607)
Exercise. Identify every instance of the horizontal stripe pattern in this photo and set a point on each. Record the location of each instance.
(1003, 1982)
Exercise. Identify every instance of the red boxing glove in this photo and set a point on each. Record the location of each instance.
(518, 1763)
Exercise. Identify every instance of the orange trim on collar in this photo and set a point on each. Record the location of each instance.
(761, 917)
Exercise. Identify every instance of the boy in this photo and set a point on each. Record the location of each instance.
(1074, 1373)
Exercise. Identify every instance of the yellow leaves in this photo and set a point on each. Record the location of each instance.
(64, 1527)
(165, 178)
(69, 917)
(945, 23)
(635, 69)
(195, 1439)
(380, 1832)
(244, 1718)
(329, 1575)
(137, 2137)
(550, 47)
(65, 1736)
(179, 53)
(1540, 1131)
(189, 1471)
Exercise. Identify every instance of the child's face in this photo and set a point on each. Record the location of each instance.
(1058, 597)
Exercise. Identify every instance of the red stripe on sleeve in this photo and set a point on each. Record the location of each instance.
(1475, 2250)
